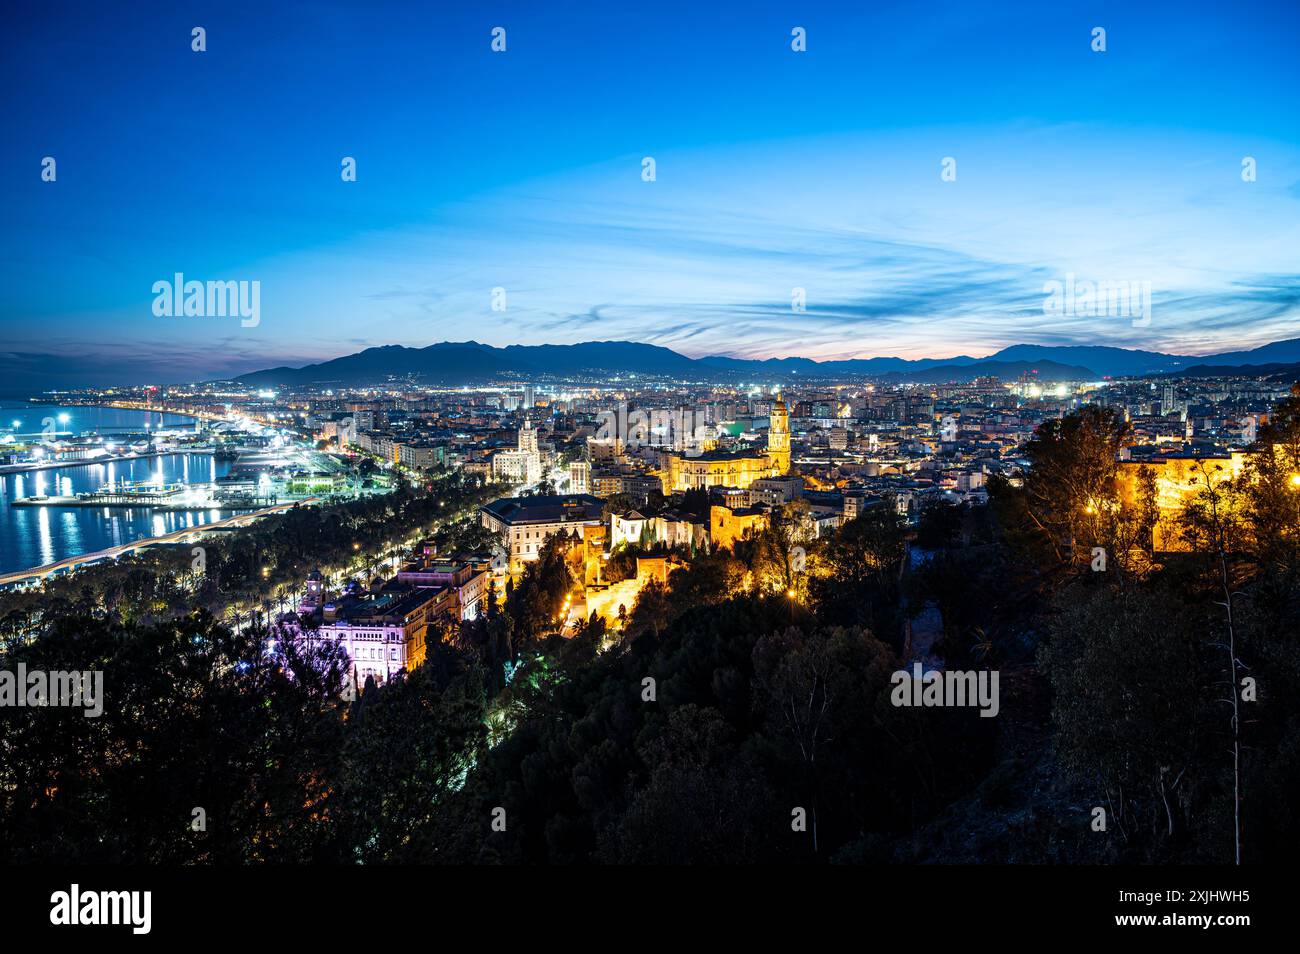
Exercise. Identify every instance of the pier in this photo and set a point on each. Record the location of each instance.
(28, 468)
(166, 497)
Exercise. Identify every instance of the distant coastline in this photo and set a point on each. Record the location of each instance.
(17, 403)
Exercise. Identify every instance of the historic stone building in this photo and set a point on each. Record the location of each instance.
(719, 468)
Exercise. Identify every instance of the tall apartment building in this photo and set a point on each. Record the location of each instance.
(580, 477)
(523, 465)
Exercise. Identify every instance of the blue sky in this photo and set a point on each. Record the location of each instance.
(522, 170)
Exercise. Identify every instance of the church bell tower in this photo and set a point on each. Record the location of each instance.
(778, 438)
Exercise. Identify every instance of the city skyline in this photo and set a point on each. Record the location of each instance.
(820, 170)
(569, 434)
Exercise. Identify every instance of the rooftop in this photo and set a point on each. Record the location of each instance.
(554, 508)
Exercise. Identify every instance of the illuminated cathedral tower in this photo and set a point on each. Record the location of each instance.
(778, 438)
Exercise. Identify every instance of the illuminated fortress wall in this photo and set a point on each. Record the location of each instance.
(1178, 480)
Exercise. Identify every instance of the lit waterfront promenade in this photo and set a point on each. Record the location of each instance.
(187, 535)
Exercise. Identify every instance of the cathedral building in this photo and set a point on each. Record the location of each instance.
(718, 468)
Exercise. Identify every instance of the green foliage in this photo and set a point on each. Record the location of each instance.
(406, 750)
(1071, 483)
(743, 690)
(535, 604)
(162, 584)
(862, 567)
(194, 716)
(710, 770)
(1134, 710)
